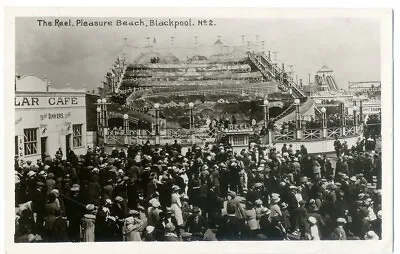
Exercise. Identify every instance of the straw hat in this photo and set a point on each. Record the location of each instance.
(31, 173)
(169, 227)
(303, 179)
(168, 210)
(133, 212)
(258, 185)
(284, 205)
(149, 229)
(265, 211)
(379, 214)
(312, 220)
(118, 199)
(258, 202)
(371, 235)
(275, 198)
(90, 207)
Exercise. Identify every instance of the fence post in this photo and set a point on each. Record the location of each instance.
(342, 119)
(269, 137)
(299, 130)
(324, 126)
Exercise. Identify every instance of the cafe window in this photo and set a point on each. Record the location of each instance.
(30, 141)
(77, 135)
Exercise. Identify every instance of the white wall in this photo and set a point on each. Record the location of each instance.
(91, 139)
(52, 121)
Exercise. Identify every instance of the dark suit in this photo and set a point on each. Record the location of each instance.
(230, 228)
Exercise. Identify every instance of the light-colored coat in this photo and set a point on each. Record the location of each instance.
(131, 229)
(87, 227)
(240, 213)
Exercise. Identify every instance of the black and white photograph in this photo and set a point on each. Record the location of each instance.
(196, 128)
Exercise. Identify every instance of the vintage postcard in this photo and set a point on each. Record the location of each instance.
(268, 127)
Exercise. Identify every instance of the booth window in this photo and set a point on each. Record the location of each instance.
(30, 141)
(16, 145)
(77, 138)
(238, 140)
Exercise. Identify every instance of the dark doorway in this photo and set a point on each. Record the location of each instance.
(67, 142)
(16, 146)
(43, 146)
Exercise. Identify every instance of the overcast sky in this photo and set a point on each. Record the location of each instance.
(77, 55)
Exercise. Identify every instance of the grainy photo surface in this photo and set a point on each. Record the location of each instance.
(197, 129)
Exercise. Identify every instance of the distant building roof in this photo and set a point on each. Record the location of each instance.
(218, 42)
(325, 68)
(32, 83)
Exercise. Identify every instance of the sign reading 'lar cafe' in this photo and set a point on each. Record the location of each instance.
(57, 101)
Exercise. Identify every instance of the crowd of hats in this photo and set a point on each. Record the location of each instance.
(122, 190)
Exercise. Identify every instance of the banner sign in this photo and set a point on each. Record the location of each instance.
(48, 101)
(278, 104)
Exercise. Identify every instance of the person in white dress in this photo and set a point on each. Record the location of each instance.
(314, 232)
(176, 205)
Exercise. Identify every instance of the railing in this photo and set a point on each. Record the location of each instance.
(289, 135)
(174, 133)
(333, 132)
(207, 134)
(349, 130)
(312, 133)
(257, 91)
(270, 70)
(117, 136)
(120, 132)
(286, 112)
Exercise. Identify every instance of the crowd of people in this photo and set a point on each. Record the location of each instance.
(161, 193)
(312, 123)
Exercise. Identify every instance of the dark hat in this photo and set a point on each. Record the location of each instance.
(364, 212)
(196, 210)
(169, 227)
(314, 208)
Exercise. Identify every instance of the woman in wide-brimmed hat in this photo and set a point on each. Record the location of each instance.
(339, 233)
(234, 202)
(274, 205)
(131, 227)
(251, 220)
(149, 234)
(88, 224)
(170, 235)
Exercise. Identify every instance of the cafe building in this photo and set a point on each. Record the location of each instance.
(48, 118)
